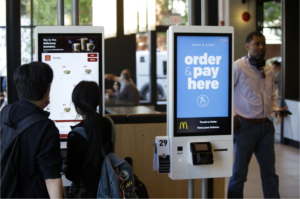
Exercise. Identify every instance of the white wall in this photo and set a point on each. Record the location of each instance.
(241, 28)
(291, 127)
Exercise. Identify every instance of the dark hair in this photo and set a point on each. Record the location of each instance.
(255, 33)
(86, 96)
(32, 80)
(276, 63)
(125, 76)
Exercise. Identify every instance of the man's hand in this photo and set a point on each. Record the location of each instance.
(282, 109)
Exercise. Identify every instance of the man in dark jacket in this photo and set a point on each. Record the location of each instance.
(40, 159)
(128, 91)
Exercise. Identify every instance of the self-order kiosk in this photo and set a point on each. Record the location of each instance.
(75, 53)
(200, 101)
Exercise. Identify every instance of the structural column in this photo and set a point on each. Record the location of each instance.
(13, 46)
(60, 13)
(75, 13)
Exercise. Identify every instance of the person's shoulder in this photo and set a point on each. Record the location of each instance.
(47, 125)
(240, 62)
(269, 70)
(268, 67)
(76, 140)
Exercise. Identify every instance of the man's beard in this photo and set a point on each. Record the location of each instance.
(260, 56)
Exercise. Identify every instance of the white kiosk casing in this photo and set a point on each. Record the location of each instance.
(222, 142)
(75, 53)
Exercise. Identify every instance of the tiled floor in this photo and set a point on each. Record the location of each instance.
(287, 168)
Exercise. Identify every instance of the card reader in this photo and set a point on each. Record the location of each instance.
(201, 153)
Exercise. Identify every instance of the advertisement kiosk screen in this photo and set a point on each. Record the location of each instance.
(73, 58)
(202, 84)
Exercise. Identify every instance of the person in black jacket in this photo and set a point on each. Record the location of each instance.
(40, 160)
(84, 157)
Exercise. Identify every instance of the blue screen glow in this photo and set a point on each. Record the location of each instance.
(202, 76)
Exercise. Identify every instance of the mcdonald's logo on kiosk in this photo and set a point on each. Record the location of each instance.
(184, 125)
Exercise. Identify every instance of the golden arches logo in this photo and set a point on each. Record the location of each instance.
(184, 124)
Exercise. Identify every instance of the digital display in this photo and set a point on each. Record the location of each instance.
(202, 84)
(73, 58)
(201, 147)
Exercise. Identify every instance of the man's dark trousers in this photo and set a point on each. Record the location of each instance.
(257, 138)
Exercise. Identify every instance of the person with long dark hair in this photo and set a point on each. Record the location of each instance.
(85, 152)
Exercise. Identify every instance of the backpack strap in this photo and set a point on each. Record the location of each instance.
(29, 121)
(25, 123)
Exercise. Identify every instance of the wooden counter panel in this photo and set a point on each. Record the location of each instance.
(135, 141)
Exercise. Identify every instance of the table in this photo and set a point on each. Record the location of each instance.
(130, 110)
(114, 102)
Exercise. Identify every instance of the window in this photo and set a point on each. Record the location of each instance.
(170, 12)
(2, 38)
(143, 67)
(272, 22)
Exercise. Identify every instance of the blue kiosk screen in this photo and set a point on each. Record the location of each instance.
(202, 84)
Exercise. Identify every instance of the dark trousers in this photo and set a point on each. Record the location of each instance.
(257, 138)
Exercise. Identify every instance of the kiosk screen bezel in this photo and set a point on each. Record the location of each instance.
(226, 131)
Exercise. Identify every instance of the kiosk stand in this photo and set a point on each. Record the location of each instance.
(200, 103)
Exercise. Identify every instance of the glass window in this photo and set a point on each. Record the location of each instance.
(143, 67)
(2, 12)
(161, 67)
(68, 12)
(25, 13)
(85, 12)
(25, 45)
(272, 22)
(3, 51)
(33, 46)
(44, 12)
(170, 12)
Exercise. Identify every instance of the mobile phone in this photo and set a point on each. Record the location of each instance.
(285, 112)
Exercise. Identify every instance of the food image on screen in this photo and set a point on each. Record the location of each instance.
(76, 47)
(88, 71)
(84, 41)
(67, 72)
(67, 109)
(90, 46)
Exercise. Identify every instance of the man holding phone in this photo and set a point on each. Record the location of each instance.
(254, 100)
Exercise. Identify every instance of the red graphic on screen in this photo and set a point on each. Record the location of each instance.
(48, 57)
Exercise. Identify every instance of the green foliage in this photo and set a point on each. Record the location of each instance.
(272, 13)
(85, 12)
(166, 8)
(45, 11)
